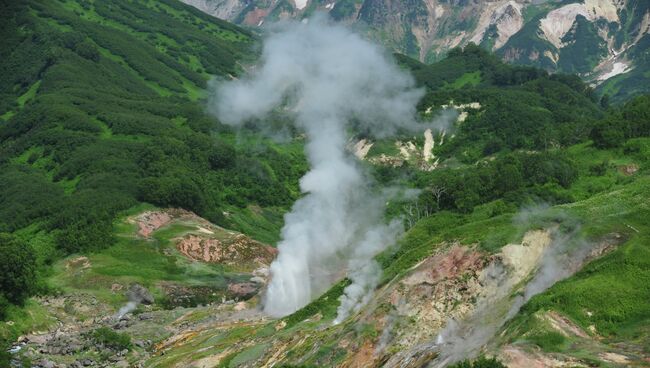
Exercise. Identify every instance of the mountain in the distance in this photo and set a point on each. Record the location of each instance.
(604, 41)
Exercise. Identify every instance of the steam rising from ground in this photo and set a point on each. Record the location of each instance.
(564, 256)
(327, 78)
(129, 307)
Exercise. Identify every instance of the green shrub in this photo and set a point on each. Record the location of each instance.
(111, 339)
(17, 271)
(481, 362)
(548, 341)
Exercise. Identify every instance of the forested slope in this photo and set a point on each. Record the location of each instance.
(101, 110)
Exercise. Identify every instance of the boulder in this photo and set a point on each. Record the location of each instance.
(45, 363)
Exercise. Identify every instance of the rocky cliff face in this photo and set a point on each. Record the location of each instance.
(598, 39)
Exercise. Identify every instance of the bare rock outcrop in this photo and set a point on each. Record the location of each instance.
(235, 250)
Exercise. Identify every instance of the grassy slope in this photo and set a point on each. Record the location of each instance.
(133, 259)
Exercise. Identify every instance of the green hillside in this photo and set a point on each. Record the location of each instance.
(102, 120)
(521, 107)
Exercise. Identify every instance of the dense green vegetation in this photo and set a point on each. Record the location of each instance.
(111, 123)
(481, 362)
(100, 110)
(510, 155)
(111, 339)
(550, 110)
(629, 121)
(17, 271)
(514, 178)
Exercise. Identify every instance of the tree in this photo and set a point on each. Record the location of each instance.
(438, 191)
(604, 101)
(481, 362)
(87, 50)
(221, 156)
(17, 269)
(607, 134)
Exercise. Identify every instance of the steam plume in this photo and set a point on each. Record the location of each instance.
(129, 307)
(326, 78)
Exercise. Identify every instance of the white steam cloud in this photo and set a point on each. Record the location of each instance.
(129, 307)
(328, 79)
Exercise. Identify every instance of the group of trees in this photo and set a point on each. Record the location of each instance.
(481, 362)
(515, 179)
(17, 272)
(510, 149)
(521, 107)
(631, 120)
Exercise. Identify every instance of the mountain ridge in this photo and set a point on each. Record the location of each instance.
(598, 39)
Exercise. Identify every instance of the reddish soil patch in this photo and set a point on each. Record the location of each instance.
(364, 357)
(449, 265)
(235, 251)
(148, 222)
(254, 17)
(243, 289)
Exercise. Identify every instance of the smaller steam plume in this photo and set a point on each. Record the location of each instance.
(136, 294)
(461, 340)
(129, 307)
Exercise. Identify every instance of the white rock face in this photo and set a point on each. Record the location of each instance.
(223, 9)
(617, 68)
(509, 21)
(559, 21)
(361, 148)
(439, 11)
(506, 16)
(300, 4)
(601, 9)
(428, 145)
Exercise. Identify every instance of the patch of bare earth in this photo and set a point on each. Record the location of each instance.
(364, 357)
(207, 242)
(150, 221)
(235, 249)
(515, 357)
(78, 264)
(408, 313)
(614, 358)
(564, 325)
(628, 170)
